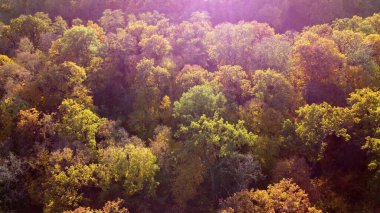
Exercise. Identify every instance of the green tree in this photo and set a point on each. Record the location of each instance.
(190, 76)
(274, 100)
(365, 105)
(315, 123)
(356, 24)
(199, 100)
(352, 44)
(63, 187)
(207, 142)
(133, 167)
(30, 26)
(149, 88)
(78, 44)
(76, 122)
(9, 108)
(273, 53)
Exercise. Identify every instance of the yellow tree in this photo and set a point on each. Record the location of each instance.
(315, 64)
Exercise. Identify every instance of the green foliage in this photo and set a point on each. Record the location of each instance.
(274, 100)
(191, 76)
(150, 83)
(274, 90)
(78, 123)
(208, 143)
(8, 114)
(59, 25)
(365, 105)
(78, 44)
(134, 167)
(198, 101)
(214, 134)
(63, 187)
(273, 53)
(356, 24)
(317, 122)
(32, 27)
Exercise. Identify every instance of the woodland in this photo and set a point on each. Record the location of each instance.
(227, 106)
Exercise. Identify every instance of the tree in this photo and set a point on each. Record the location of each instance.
(5, 59)
(13, 79)
(28, 128)
(112, 20)
(156, 47)
(13, 193)
(32, 27)
(59, 25)
(316, 122)
(288, 196)
(160, 146)
(76, 122)
(294, 168)
(208, 142)
(230, 44)
(236, 173)
(190, 76)
(356, 24)
(234, 83)
(63, 187)
(187, 39)
(365, 105)
(151, 81)
(309, 74)
(273, 53)
(60, 179)
(110, 206)
(284, 196)
(59, 82)
(198, 101)
(373, 41)
(134, 168)
(357, 52)
(9, 109)
(78, 44)
(273, 101)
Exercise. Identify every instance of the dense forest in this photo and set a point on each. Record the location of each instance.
(190, 106)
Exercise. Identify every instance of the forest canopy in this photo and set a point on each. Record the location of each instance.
(190, 106)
